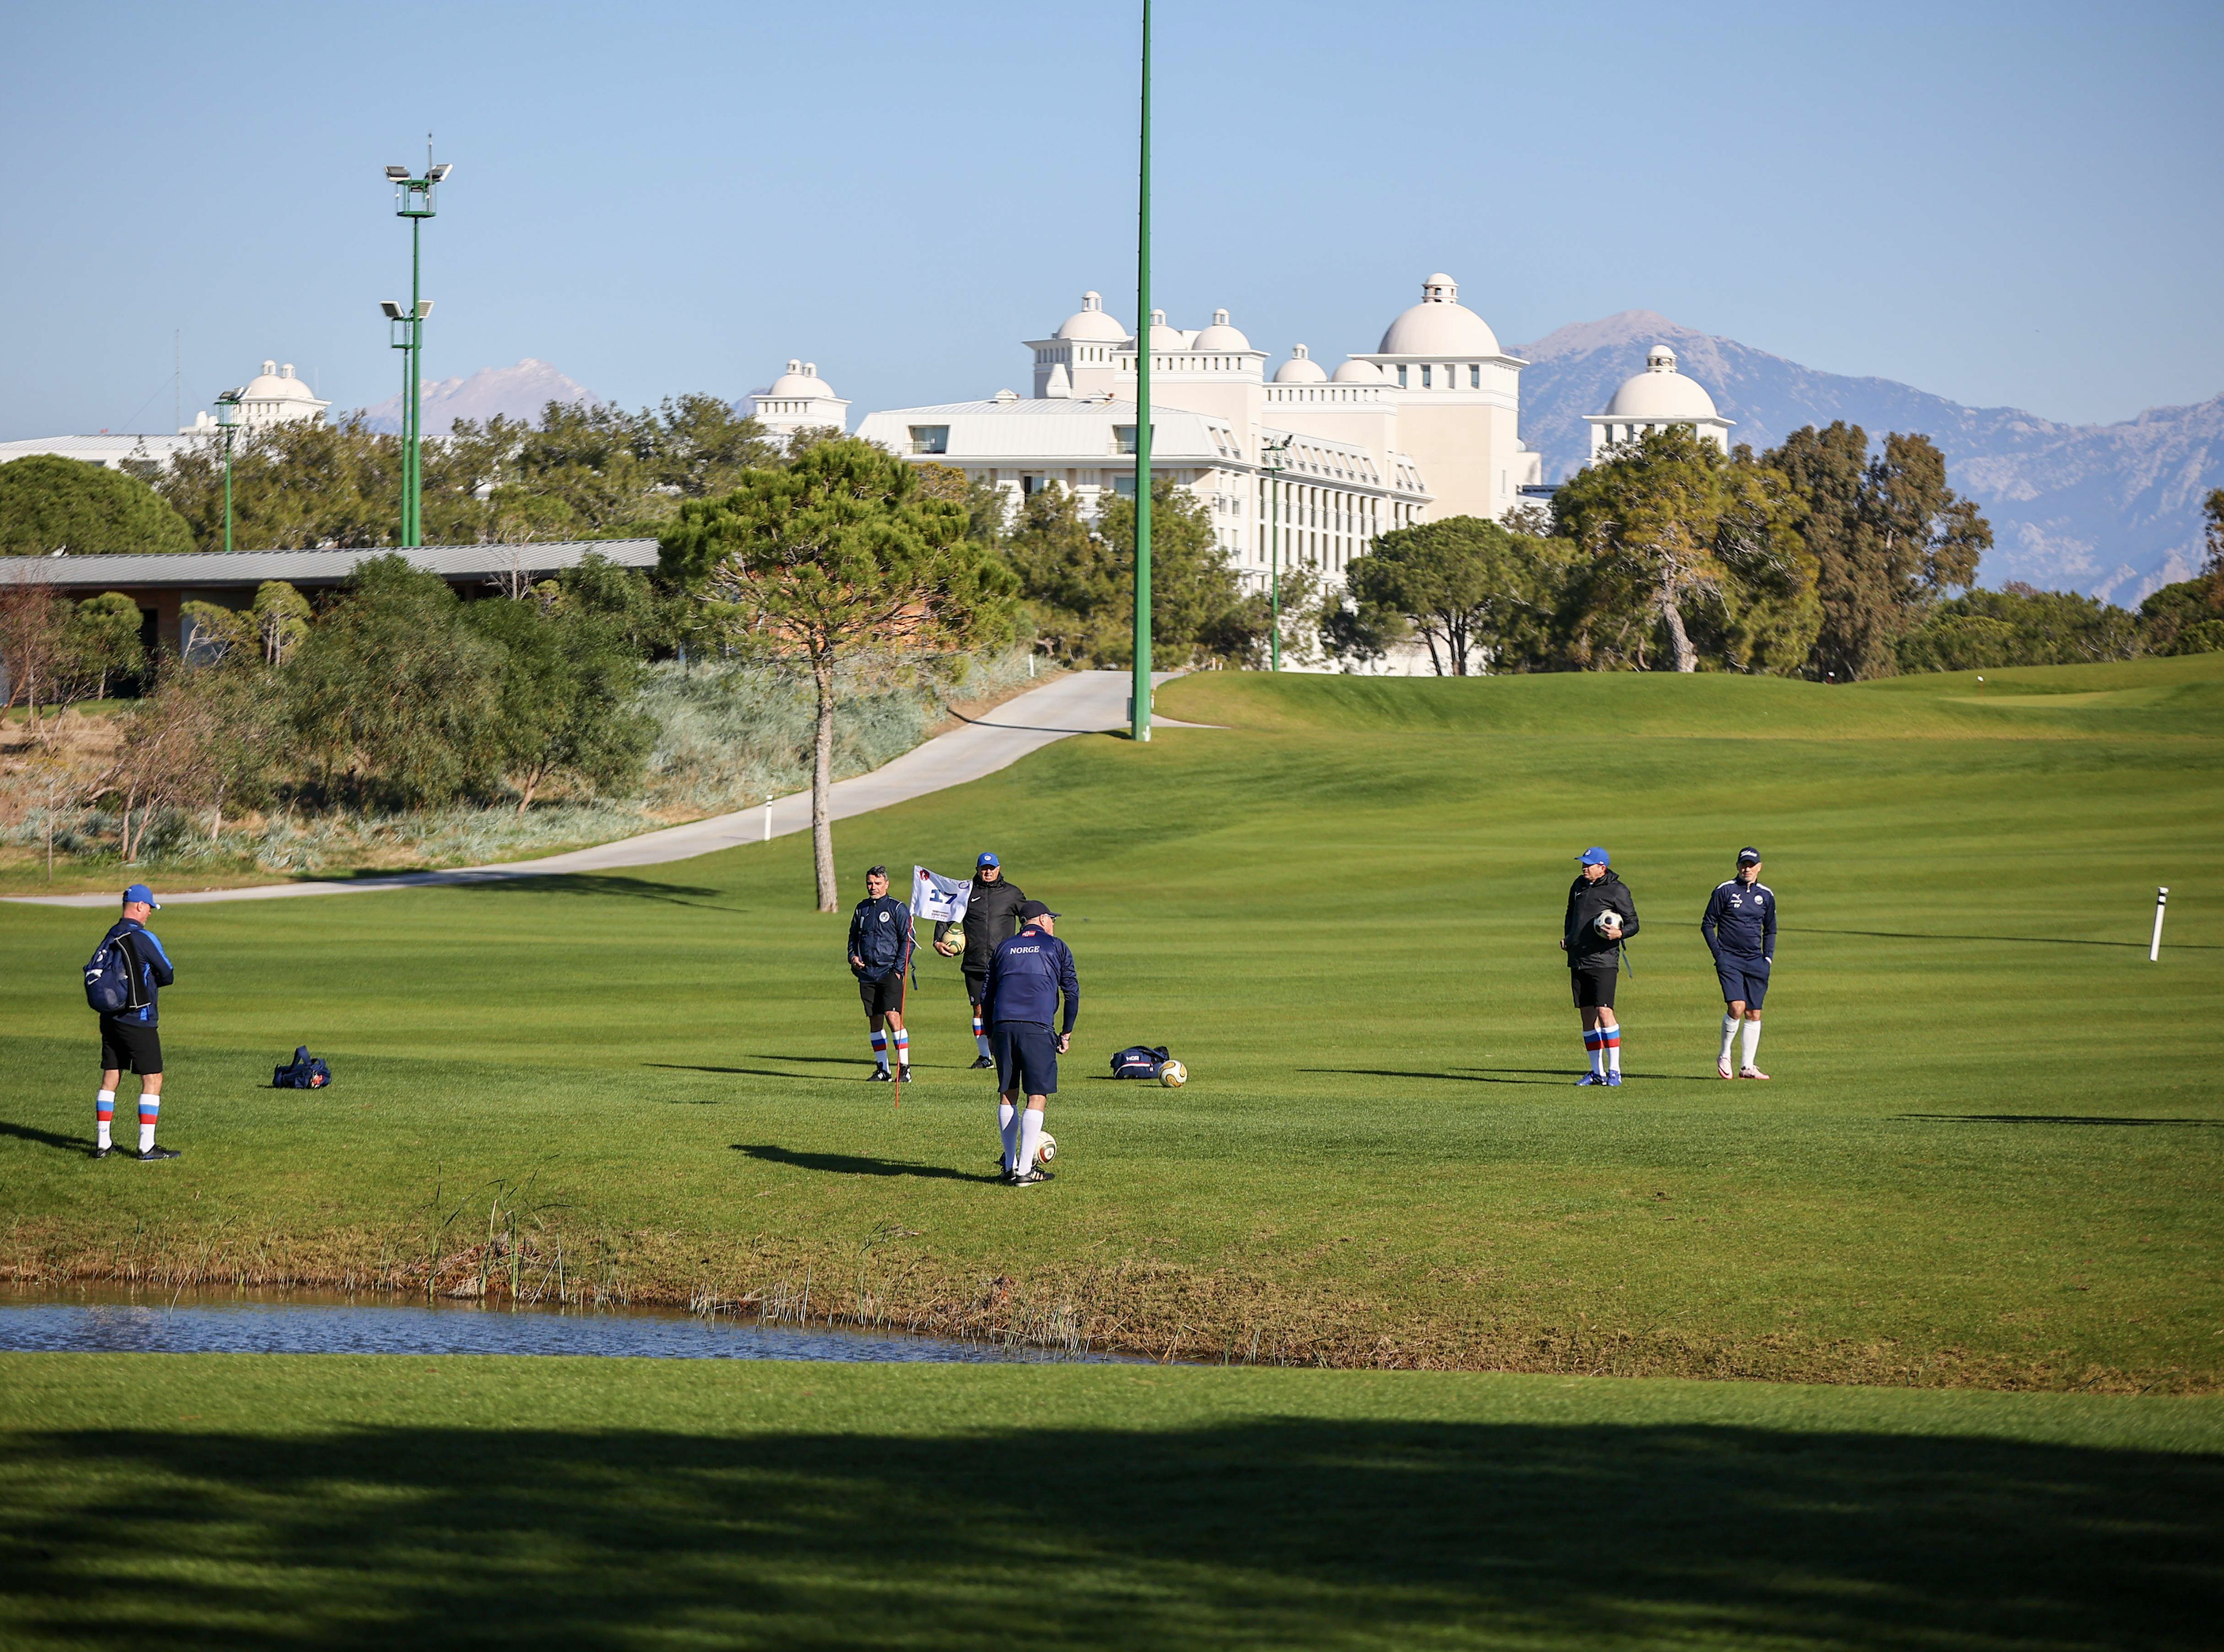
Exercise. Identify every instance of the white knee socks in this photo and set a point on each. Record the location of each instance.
(1008, 1126)
(1752, 1041)
(1030, 1139)
(1730, 1024)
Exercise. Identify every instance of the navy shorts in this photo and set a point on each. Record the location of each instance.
(1594, 988)
(883, 995)
(1743, 980)
(1026, 1057)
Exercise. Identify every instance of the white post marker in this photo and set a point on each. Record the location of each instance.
(767, 819)
(2154, 946)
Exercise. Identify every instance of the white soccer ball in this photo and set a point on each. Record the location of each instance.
(1046, 1149)
(955, 937)
(1608, 922)
(1174, 1074)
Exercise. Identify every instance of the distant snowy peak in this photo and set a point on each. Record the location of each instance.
(519, 391)
(2111, 509)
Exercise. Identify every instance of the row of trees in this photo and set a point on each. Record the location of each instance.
(1819, 558)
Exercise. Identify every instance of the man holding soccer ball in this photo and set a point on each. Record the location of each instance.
(1740, 927)
(991, 915)
(1600, 916)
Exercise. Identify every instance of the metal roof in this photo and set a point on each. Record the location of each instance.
(195, 569)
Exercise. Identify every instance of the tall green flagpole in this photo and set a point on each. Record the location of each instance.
(1140, 694)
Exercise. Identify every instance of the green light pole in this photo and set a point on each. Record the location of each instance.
(413, 199)
(227, 420)
(1273, 455)
(1139, 696)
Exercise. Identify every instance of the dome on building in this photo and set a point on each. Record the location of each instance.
(1090, 325)
(1220, 335)
(1165, 338)
(276, 383)
(801, 379)
(1356, 371)
(1300, 369)
(1439, 326)
(1661, 392)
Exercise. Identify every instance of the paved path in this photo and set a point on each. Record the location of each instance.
(1083, 703)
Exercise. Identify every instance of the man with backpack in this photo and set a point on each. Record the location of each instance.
(992, 917)
(1600, 916)
(122, 982)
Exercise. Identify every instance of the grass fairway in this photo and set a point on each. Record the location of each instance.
(335, 1502)
(1991, 1155)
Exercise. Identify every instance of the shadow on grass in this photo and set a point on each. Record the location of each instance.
(1246, 1534)
(2017, 940)
(2056, 1119)
(746, 1072)
(600, 883)
(46, 1137)
(853, 1164)
(1549, 1077)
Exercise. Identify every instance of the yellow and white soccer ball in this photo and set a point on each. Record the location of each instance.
(1174, 1074)
(1046, 1149)
(955, 937)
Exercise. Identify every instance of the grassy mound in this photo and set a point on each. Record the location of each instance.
(1989, 1155)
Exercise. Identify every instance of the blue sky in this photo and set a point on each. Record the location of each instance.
(2002, 204)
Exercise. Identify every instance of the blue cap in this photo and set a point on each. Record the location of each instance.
(139, 891)
(987, 860)
(1594, 856)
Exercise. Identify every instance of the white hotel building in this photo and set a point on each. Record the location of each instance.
(1424, 426)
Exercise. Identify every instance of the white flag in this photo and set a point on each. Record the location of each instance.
(939, 899)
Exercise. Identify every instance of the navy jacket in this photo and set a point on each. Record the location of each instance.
(1026, 976)
(155, 971)
(1740, 921)
(880, 933)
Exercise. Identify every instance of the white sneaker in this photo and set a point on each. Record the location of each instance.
(1751, 1072)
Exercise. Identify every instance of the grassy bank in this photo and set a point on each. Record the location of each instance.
(1989, 1156)
(252, 1501)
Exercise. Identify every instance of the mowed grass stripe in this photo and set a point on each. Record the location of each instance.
(1341, 911)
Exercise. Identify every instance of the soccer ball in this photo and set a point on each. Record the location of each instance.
(1046, 1149)
(1607, 921)
(1174, 1074)
(954, 936)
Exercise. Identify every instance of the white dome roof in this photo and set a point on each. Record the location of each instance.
(1356, 371)
(1165, 338)
(801, 379)
(1300, 369)
(1090, 323)
(276, 383)
(1439, 326)
(1661, 392)
(1220, 335)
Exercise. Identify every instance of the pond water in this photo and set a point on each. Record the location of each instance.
(297, 1323)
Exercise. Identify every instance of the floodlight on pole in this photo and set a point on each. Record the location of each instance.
(227, 420)
(413, 199)
(1140, 694)
(1274, 459)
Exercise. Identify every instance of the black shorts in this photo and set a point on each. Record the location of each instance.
(884, 996)
(1745, 979)
(1026, 1057)
(129, 1047)
(977, 987)
(1594, 988)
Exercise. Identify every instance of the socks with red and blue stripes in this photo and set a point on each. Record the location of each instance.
(1613, 1037)
(148, 1106)
(104, 1116)
(980, 1037)
(903, 1048)
(880, 1048)
(1595, 1044)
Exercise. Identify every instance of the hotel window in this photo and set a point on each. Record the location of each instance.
(1123, 487)
(1425, 378)
(1123, 438)
(930, 438)
(1474, 375)
(1401, 378)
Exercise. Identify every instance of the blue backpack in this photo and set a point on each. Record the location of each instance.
(304, 1072)
(112, 977)
(1139, 1061)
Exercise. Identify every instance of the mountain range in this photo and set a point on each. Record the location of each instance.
(2114, 510)
(520, 392)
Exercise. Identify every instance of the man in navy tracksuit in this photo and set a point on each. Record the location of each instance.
(129, 1038)
(1740, 927)
(1028, 974)
(880, 952)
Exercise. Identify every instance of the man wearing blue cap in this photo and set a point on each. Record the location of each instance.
(1600, 916)
(127, 1037)
(1740, 927)
(992, 915)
